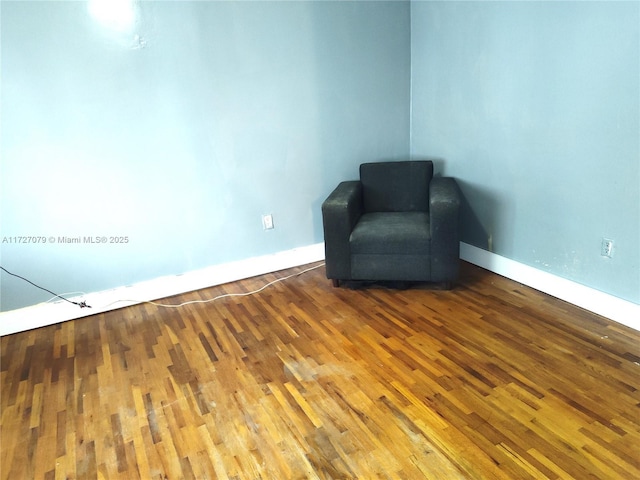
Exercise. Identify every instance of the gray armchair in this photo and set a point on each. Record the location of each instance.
(397, 223)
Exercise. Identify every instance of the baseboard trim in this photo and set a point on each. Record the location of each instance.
(44, 314)
(614, 308)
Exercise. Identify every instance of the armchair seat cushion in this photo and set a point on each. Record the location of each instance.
(392, 233)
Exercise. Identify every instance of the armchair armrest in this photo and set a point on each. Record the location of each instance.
(444, 213)
(340, 212)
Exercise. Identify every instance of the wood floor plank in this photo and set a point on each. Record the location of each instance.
(490, 380)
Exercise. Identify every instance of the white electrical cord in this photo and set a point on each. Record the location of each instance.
(57, 297)
(219, 296)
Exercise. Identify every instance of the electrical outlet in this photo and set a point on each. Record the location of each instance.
(267, 221)
(606, 248)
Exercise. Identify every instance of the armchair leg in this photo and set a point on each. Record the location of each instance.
(336, 282)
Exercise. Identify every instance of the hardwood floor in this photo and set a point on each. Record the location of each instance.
(491, 380)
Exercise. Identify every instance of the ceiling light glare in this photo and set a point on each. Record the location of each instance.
(117, 15)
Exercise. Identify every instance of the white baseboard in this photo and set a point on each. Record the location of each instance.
(614, 308)
(44, 314)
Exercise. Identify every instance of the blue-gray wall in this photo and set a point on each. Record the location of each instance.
(181, 131)
(535, 107)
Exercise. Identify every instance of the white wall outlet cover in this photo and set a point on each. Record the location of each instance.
(267, 221)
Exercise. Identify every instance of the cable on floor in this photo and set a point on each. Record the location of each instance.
(226, 295)
(82, 304)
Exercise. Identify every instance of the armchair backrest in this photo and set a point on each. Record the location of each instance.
(396, 186)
